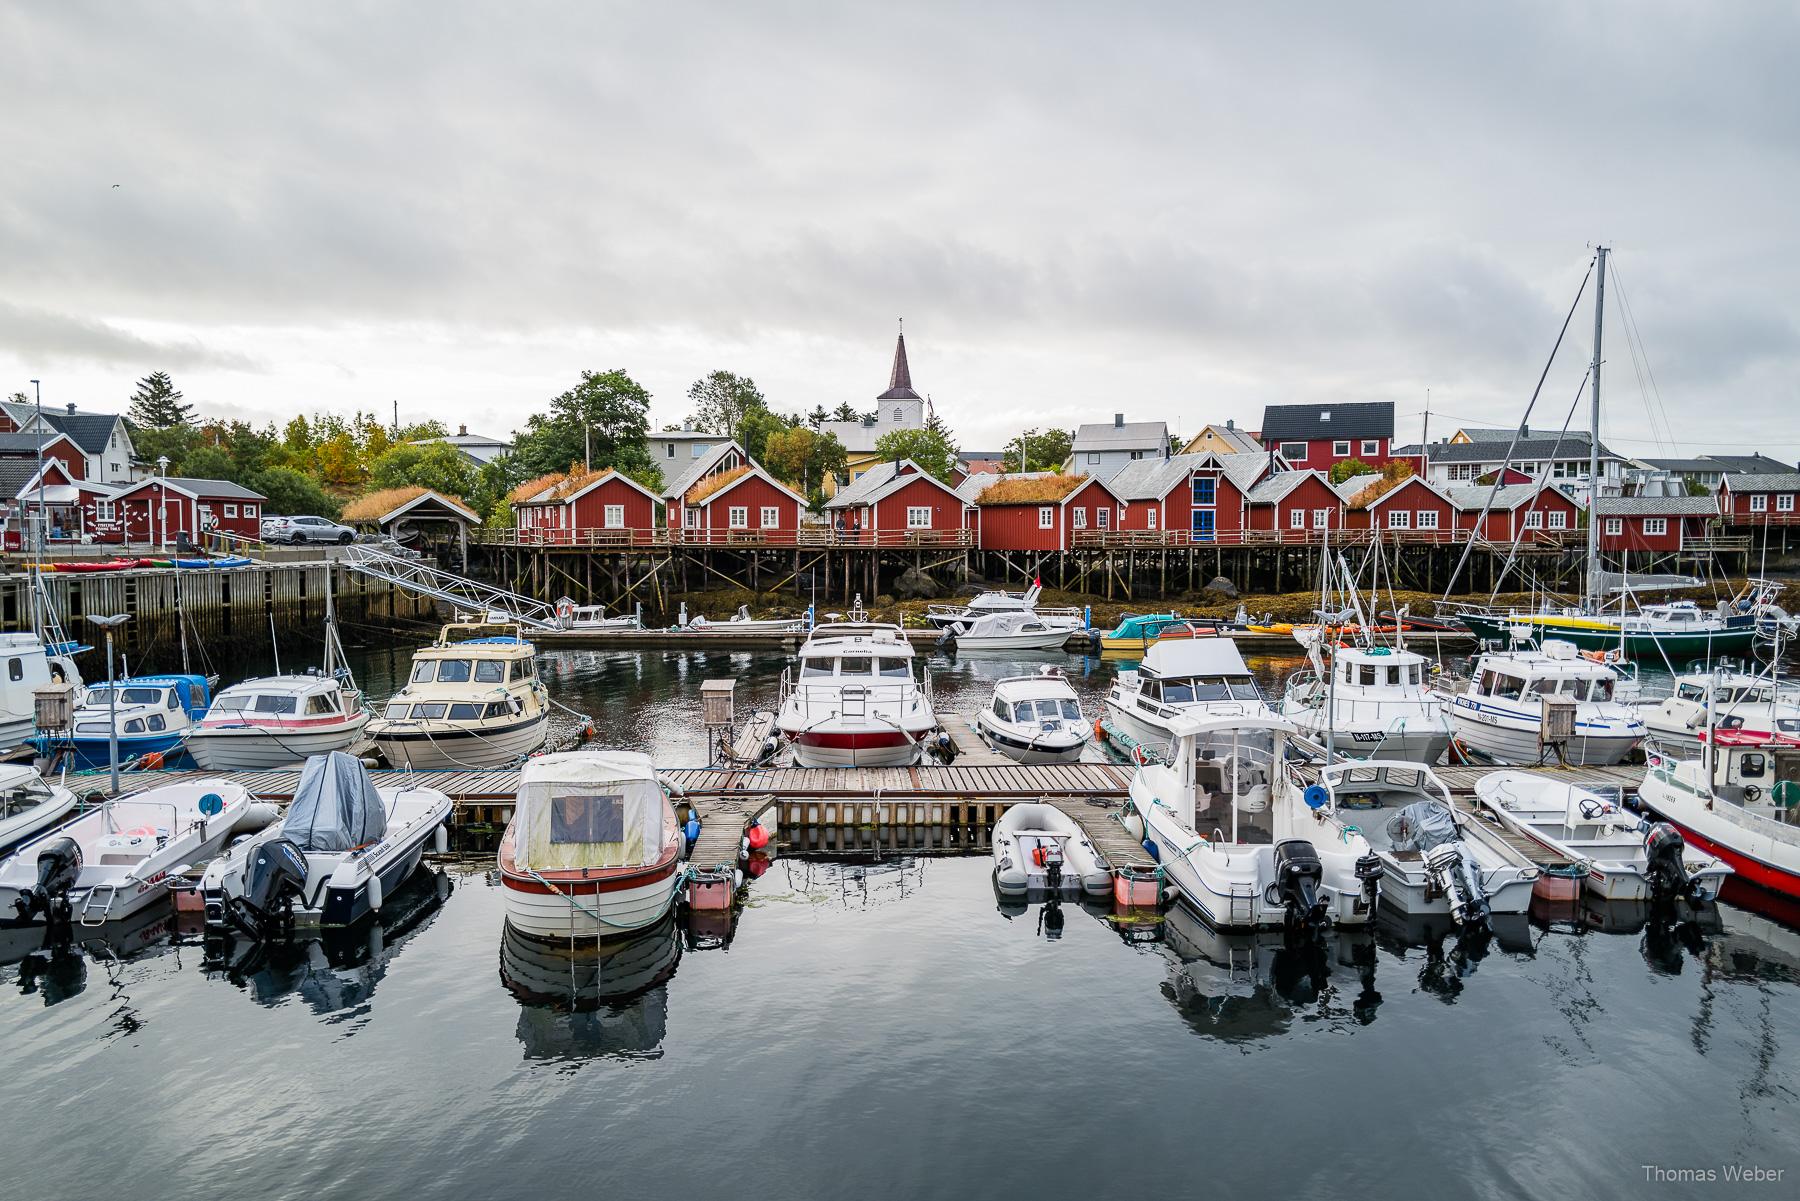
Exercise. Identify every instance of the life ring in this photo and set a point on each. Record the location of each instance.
(1139, 755)
(565, 610)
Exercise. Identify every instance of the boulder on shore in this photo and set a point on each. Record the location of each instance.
(1223, 587)
(914, 584)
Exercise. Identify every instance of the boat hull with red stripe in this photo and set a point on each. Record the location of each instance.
(863, 748)
(1762, 850)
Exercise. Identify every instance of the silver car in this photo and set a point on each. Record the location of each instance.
(306, 529)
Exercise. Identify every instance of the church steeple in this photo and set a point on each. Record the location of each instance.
(900, 380)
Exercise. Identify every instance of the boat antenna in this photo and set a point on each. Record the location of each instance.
(1593, 530)
(274, 646)
(181, 624)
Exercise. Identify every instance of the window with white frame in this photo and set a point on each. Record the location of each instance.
(1784, 503)
(1615, 526)
(1103, 517)
(738, 517)
(1371, 446)
(918, 517)
(1294, 452)
(1047, 517)
(1078, 519)
(1534, 520)
(771, 517)
(249, 510)
(614, 517)
(230, 510)
(1150, 520)
(1399, 519)
(1093, 458)
(692, 519)
(1759, 503)
(1296, 518)
(1340, 449)
(668, 450)
(1427, 519)
(103, 510)
(1530, 469)
(1559, 520)
(1321, 519)
(1656, 527)
(1567, 469)
(1461, 471)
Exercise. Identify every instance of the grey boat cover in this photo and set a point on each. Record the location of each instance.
(336, 807)
(1421, 826)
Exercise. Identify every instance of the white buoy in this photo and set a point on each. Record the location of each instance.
(374, 892)
(443, 840)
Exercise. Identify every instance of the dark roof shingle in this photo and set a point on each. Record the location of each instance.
(1360, 419)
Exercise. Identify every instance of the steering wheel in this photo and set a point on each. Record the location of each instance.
(1753, 793)
(1591, 809)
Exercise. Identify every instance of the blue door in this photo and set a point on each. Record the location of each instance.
(1203, 525)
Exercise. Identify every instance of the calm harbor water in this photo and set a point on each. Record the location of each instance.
(884, 1028)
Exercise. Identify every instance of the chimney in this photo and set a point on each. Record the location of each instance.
(1118, 421)
(71, 408)
(462, 431)
(1231, 423)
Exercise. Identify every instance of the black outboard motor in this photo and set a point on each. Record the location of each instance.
(275, 876)
(59, 865)
(1666, 872)
(1298, 874)
(1368, 870)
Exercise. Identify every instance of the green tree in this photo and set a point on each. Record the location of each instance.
(1039, 450)
(721, 400)
(293, 493)
(157, 404)
(419, 431)
(846, 412)
(756, 427)
(608, 411)
(928, 448)
(208, 463)
(173, 442)
(818, 416)
(435, 465)
(1348, 468)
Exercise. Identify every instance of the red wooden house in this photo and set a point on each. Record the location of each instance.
(78, 511)
(1653, 524)
(1759, 499)
(1044, 512)
(897, 503)
(587, 508)
(740, 505)
(1298, 504)
(57, 446)
(1410, 507)
(1318, 436)
(1201, 497)
(158, 509)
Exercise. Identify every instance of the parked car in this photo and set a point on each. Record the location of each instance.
(306, 529)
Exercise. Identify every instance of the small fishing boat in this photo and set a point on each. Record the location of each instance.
(1006, 632)
(1505, 711)
(1368, 702)
(1754, 704)
(1136, 633)
(342, 848)
(1177, 681)
(112, 861)
(593, 847)
(1433, 860)
(571, 616)
(1739, 801)
(944, 616)
(1039, 848)
(1035, 719)
(29, 665)
(277, 720)
(1626, 857)
(473, 700)
(29, 805)
(152, 714)
(854, 702)
(742, 623)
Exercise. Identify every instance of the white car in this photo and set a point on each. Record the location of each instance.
(306, 529)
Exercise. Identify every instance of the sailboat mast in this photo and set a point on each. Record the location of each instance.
(1593, 525)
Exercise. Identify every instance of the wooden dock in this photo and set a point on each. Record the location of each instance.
(971, 749)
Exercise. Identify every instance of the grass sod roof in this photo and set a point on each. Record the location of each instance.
(715, 483)
(557, 485)
(376, 505)
(1045, 489)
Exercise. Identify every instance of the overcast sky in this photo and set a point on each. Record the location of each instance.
(1180, 211)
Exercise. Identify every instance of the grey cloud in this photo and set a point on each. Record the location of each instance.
(43, 336)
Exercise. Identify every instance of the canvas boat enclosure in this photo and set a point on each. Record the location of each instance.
(598, 809)
(335, 806)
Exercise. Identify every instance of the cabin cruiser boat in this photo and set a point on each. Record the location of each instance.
(1433, 859)
(854, 702)
(1230, 828)
(29, 666)
(29, 805)
(1754, 704)
(1369, 702)
(742, 623)
(112, 861)
(1515, 700)
(571, 616)
(592, 848)
(1739, 801)
(1039, 848)
(1627, 858)
(153, 715)
(471, 702)
(277, 720)
(1138, 632)
(342, 848)
(1006, 632)
(945, 616)
(1035, 719)
(1179, 680)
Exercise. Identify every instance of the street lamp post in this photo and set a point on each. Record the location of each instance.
(162, 500)
(38, 536)
(112, 693)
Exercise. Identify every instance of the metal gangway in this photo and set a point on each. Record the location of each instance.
(415, 575)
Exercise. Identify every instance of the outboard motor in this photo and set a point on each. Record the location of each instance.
(1298, 874)
(59, 865)
(1053, 865)
(275, 876)
(1368, 870)
(1431, 829)
(1667, 874)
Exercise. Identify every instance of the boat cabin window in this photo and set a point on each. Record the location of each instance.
(1367, 674)
(26, 795)
(527, 670)
(813, 669)
(424, 671)
(587, 819)
(499, 708)
(1234, 773)
(1753, 766)
(1046, 708)
(857, 666)
(1498, 684)
(434, 710)
(320, 703)
(232, 704)
(156, 722)
(1690, 692)
(1602, 689)
(490, 671)
(893, 669)
(1002, 710)
(134, 726)
(15, 669)
(454, 671)
(127, 696)
(275, 704)
(395, 712)
(465, 712)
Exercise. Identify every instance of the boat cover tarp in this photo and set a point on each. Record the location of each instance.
(1614, 581)
(589, 809)
(335, 806)
(1195, 657)
(1421, 826)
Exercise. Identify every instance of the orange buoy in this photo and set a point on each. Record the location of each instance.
(759, 837)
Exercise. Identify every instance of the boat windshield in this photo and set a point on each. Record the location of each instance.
(893, 669)
(812, 669)
(23, 797)
(126, 696)
(490, 671)
(1195, 689)
(1234, 777)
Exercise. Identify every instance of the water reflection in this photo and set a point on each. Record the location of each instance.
(592, 1000)
(59, 973)
(856, 884)
(334, 970)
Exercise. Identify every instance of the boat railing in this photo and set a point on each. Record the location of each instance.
(837, 697)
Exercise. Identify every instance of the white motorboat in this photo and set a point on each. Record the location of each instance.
(1627, 858)
(853, 701)
(1515, 700)
(1006, 632)
(593, 998)
(1368, 702)
(1039, 848)
(112, 861)
(945, 616)
(277, 720)
(1227, 822)
(28, 667)
(471, 702)
(343, 847)
(29, 805)
(1739, 801)
(1035, 719)
(152, 715)
(742, 623)
(1754, 704)
(571, 616)
(592, 848)
(1433, 859)
(1179, 680)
